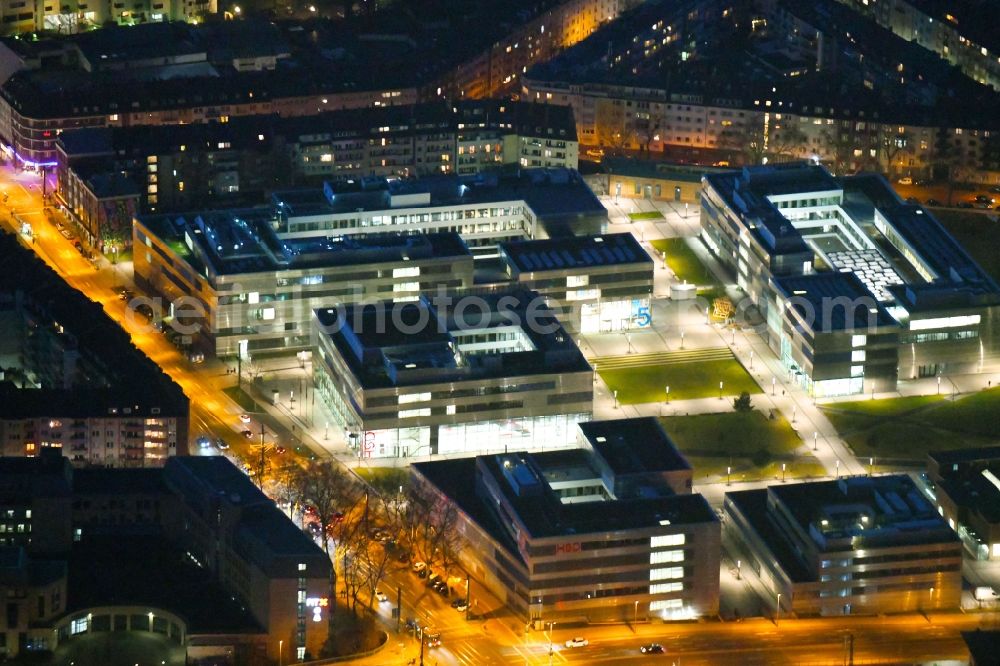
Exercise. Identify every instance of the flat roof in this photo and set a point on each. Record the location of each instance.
(549, 192)
(655, 169)
(897, 512)
(634, 445)
(407, 344)
(239, 241)
(959, 456)
(553, 254)
(126, 379)
(546, 516)
(150, 571)
(753, 505)
(817, 298)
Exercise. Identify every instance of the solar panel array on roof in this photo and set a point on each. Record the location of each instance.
(550, 254)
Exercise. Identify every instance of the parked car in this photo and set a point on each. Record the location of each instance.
(652, 648)
(66, 234)
(419, 566)
(411, 624)
(204, 442)
(579, 641)
(380, 595)
(905, 180)
(245, 418)
(247, 434)
(460, 605)
(983, 199)
(221, 444)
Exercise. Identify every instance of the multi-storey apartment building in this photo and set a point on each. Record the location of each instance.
(254, 587)
(606, 532)
(257, 291)
(103, 171)
(854, 545)
(851, 281)
(958, 32)
(592, 283)
(74, 381)
(461, 372)
(892, 102)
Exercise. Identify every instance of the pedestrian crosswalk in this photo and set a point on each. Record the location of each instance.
(661, 358)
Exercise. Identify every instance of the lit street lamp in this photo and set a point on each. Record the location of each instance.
(782, 472)
(838, 469)
(615, 392)
(777, 613)
(774, 381)
(720, 390)
(682, 339)
(751, 359)
(729, 471)
(815, 440)
(666, 391)
(794, 407)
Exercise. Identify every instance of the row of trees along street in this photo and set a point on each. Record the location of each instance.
(367, 531)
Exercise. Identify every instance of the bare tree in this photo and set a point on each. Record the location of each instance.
(430, 529)
(746, 140)
(612, 130)
(330, 490)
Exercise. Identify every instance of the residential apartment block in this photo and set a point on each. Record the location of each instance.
(463, 372)
(192, 552)
(102, 173)
(851, 282)
(639, 84)
(605, 532)
(854, 545)
(73, 380)
(958, 32)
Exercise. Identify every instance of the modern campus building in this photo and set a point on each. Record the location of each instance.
(608, 531)
(257, 274)
(485, 209)
(851, 282)
(966, 485)
(72, 379)
(854, 545)
(258, 291)
(192, 552)
(592, 283)
(463, 372)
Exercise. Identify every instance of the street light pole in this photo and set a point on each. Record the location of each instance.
(615, 392)
(281, 648)
(815, 440)
(777, 612)
(635, 617)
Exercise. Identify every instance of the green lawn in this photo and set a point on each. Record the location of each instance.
(683, 262)
(686, 381)
(749, 443)
(977, 234)
(241, 398)
(646, 215)
(385, 479)
(908, 428)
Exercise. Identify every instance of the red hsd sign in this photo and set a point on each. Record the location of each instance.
(564, 548)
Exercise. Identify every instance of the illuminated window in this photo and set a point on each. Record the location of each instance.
(409, 413)
(666, 556)
(414, 397)
(267, 314)
(668, 572)
(666, 540)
